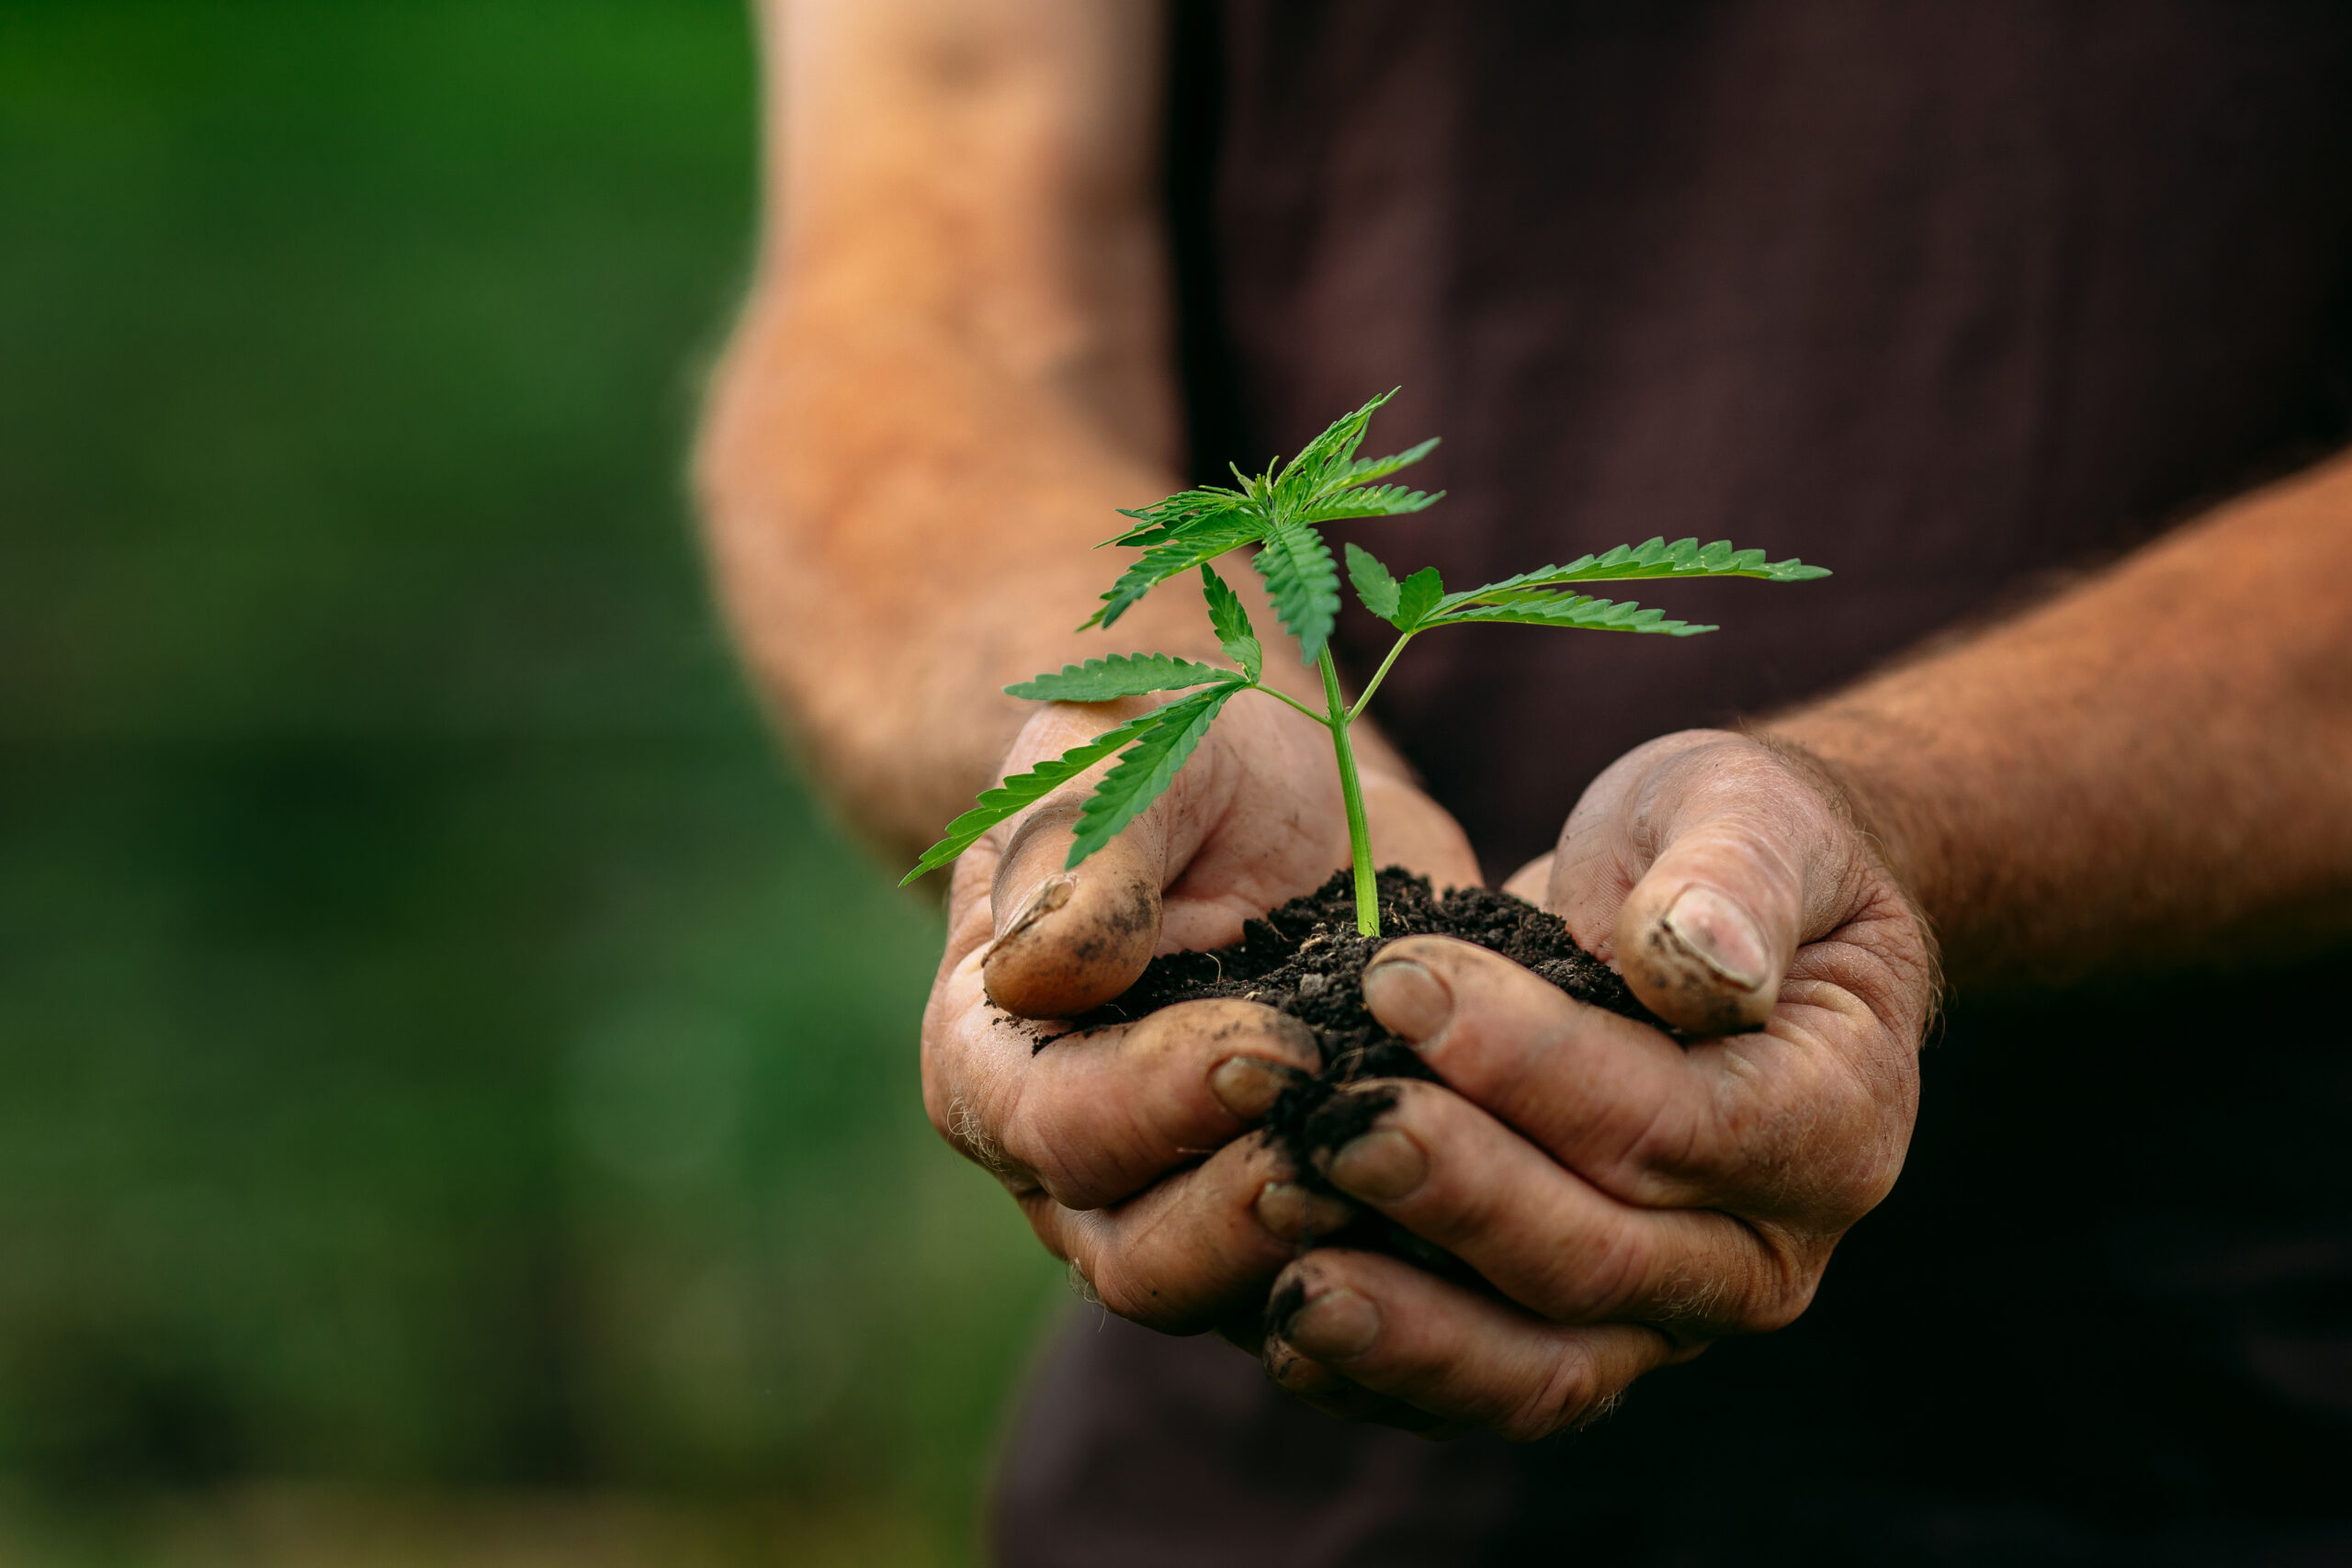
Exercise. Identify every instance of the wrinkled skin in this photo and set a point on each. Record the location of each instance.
(1628, 1199)
(1103, 1138)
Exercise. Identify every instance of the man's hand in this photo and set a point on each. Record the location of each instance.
(1628, 1199)
(1087, 1130)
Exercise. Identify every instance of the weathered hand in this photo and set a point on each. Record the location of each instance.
(1087, 1133)
(1628, 1199)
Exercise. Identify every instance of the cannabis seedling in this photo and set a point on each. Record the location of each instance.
(1282, 513)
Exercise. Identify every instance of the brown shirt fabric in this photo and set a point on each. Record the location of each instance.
(1947, 298)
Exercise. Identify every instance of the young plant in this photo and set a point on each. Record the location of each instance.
(1281, 513)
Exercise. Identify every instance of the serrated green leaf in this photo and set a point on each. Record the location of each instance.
(1160, 562)
(1120, 675)
(1416, 597)
(1379, 501)
(1181, 514)
(1652, 559)
(1321, 459)
(1374, 585)
(1536, 609)
(1231, 619)
(1023, 789)
(1146, 769)
(1304, 583)
(1365, 469)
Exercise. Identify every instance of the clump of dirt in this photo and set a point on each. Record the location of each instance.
(1308, 959)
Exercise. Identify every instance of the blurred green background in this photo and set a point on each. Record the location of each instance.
(456, 1094)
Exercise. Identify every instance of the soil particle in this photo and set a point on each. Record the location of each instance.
(1306, 959)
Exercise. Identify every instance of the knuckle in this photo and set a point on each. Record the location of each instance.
(1123, 1289)
(1561, 1397)
(1786, 1288)
(1608, 1275)
(1035, 1139)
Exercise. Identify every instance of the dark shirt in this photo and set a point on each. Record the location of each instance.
(1947, 298)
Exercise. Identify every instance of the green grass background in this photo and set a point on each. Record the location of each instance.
(450, 1075)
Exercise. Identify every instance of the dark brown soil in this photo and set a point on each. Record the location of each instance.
(1306, 959)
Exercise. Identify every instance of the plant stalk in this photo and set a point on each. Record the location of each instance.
(1364, 699)
(1352, 794)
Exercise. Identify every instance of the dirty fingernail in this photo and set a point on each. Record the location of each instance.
(1295, 1214)
(1047, 896)
(1382, 1165)
(1406, 997)
(1338, 1324)
(1248, 1085)
(1295, 1374)
(1719, 934)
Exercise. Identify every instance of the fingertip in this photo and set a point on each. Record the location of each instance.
(1077, 943)
(1700, 961)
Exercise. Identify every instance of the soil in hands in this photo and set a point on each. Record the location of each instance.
(1308, 959)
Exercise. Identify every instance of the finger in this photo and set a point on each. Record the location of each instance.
(1805, 1119)
(1721, 861)
(1311, 1382)
(1549, 1240)
(1389, 1329)
(1067, 941)
(1195, 1251)
(1096, 1117)
(1620, 1102)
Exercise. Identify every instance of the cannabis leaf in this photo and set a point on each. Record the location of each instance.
(1186, 509)
(1571, 610)
(1325, 483)
(1404, 605)
(1146, 768)
(1368, 468)
(1374, 585)
(1299, 573)
(1022, 789)
(1416, 597)
(1379, 501)
(1121, 675)
(1231, 622)
(1198, 544)
(1281, 512)
(1656, 558)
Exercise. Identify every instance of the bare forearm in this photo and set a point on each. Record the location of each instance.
(2155, 766)
(952, 370)
(954, 366)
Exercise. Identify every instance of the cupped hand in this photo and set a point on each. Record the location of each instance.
(1124, 1145)
(1625, 1198)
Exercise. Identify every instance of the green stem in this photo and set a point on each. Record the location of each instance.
(1378, 675)
(1351, 793)
(1286, 697)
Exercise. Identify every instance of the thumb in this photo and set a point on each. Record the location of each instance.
(1071, 939)
(1706, 936)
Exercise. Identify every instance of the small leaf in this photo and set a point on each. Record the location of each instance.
(1320, 459)
(1652, 559)
(1374, 586)
(1536, 609)
(1300, 574)
(1146, 769)
(1022, 789)
(1231, 619)
(1379, 501)
(1418, 596)
(1181, 514)
(1367, 468)
(1121, 675)
(1162, 561)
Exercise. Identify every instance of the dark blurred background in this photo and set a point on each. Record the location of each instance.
(457, 1093)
